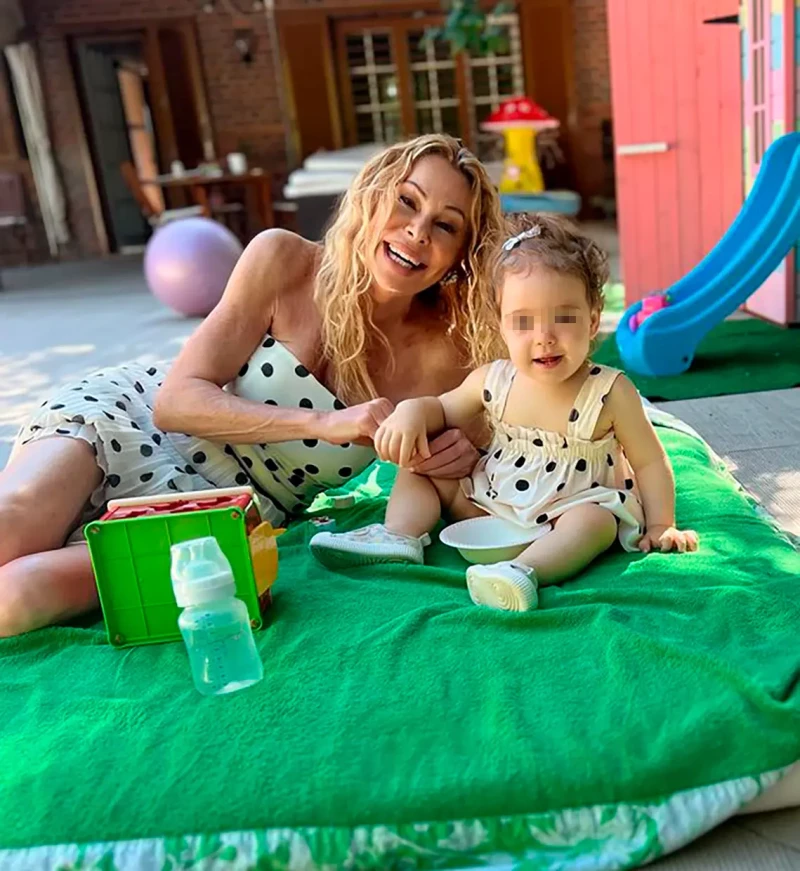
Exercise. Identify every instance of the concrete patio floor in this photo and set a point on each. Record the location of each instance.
(58, 322)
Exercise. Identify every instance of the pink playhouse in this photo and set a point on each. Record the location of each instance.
(701, 89)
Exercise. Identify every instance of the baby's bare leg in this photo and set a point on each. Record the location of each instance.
(455, 504)
(417, 503)
(414, 506)
(580, 536)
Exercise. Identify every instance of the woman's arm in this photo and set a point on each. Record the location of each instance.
(651, 467)
(191, 399)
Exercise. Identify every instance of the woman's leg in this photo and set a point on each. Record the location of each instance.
(417, 503)
(579, 537)
(42, 493)
(45, 588)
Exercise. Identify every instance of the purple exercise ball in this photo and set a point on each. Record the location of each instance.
(188, 262)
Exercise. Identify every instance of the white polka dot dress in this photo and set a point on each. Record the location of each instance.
(532, 476)
(113, 411)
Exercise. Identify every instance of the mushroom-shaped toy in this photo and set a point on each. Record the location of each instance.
(519, 120)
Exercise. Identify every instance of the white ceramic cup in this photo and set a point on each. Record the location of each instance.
(237, 163)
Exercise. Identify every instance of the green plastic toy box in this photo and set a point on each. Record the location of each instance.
(130, 552)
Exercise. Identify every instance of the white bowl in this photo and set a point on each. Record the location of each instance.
(490, 539)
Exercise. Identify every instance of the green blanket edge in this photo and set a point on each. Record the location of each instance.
(600, 838)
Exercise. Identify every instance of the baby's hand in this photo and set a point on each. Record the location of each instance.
(667, 538)
(403, 435)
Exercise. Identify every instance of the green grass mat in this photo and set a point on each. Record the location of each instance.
(390, 698)
(739, 356)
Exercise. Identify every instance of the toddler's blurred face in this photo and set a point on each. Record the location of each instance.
(547, 323)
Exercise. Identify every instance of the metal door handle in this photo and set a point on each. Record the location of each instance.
(642, 148)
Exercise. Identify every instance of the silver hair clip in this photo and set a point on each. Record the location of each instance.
(532, 233)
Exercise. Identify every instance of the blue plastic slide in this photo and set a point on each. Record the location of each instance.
(764, 232)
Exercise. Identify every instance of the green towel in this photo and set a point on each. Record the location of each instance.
(389, 697)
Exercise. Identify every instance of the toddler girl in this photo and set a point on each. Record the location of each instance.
(573, 457)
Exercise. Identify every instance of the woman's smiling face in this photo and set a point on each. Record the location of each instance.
(425, 233)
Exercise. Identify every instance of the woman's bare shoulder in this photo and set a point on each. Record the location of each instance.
(276, 261)
(275, 266)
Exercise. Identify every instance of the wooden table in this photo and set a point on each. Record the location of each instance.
(199, 183)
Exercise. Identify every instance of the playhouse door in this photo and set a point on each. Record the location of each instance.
(676, 91)
(769, 111)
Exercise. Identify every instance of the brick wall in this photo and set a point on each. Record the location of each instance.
(593, 96)
(24, 244)
(243, 98)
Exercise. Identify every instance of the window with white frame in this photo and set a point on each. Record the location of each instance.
(433, 86)
(373, 83)
(395, 83)
(491, 80)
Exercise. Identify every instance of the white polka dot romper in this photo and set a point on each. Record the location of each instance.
(531, 476)
(113, 411)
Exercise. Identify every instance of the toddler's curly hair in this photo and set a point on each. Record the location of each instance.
(552, 242)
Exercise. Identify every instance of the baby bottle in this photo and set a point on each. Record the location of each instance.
(214, 624)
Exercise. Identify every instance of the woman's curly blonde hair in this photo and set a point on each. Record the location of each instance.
(342, 289)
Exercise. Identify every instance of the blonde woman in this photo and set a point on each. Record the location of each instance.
(282, 387)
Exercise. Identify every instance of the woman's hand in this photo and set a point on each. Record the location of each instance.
(404, 434)
(452, 455)
(357, 424)
(667, 538)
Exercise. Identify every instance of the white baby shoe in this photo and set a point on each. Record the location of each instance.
(505, 586)
(362, 547)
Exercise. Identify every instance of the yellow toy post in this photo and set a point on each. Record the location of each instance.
(519, 120)
(264, 555)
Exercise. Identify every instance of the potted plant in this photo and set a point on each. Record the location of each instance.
(469, 28)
